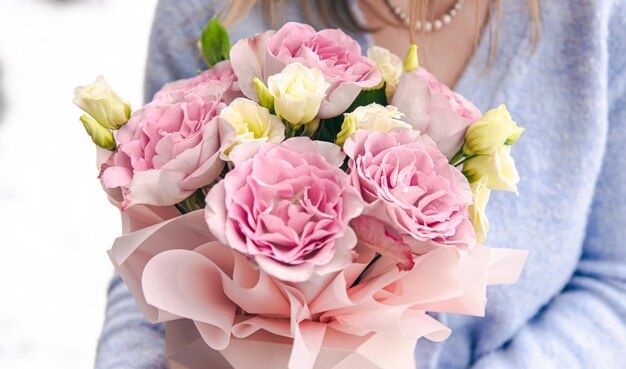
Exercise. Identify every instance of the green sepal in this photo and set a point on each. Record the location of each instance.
(214, 42)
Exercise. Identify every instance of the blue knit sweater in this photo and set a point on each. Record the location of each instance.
(569, 308)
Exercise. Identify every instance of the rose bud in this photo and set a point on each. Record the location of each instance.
(103, 104)
(492, 130)
(99, 135)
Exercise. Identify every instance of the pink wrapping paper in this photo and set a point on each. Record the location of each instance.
(187, 350)
(179, 274)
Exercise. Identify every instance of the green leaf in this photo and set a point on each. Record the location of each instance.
(330, 127)
(367, 97)
(214, 42)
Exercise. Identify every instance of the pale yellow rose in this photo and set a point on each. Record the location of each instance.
(372, 117)
(298, 92)
(103, 104)
(252, 122)
(99, 135)
(477, 210)
(492, 130)
(389, 65)
(498, 169)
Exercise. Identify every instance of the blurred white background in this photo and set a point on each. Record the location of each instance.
(55, 221)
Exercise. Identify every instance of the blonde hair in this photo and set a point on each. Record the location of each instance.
(339, 13)
(334, 13)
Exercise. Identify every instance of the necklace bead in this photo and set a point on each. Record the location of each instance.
(429, 26)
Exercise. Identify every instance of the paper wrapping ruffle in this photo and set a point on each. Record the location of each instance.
(186, 349)
(175, 269)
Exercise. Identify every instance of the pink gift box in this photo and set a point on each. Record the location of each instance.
(187, 350)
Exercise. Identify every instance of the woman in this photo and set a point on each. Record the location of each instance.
(569, 308)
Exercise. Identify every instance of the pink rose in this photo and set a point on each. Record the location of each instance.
(288, 207)
(171, 147)
(219, 80)
(336, 54)
(434, 109)
(408, 184)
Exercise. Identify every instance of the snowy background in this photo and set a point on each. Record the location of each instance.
(55, 222)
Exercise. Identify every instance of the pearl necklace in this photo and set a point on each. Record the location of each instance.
(428, 26)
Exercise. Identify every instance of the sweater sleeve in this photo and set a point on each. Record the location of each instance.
(172, 53)
(585, 325)
(128, 341)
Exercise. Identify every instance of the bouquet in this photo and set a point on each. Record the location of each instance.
(301, 205)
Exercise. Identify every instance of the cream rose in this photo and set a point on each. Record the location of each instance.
(498, 169)
(372, 117)
(298, 93)
(252, 122)
(103, 104)
(476, 211)
(389, 65)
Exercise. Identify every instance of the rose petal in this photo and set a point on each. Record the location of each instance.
(372, 234)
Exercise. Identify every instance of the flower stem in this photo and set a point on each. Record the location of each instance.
(464, 160)
(194, 202)
(292, 130)
(458, 157)
(358, 279)
(181, 209)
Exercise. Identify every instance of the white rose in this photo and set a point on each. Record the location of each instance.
(372, 117)
(498, 169)
(389, 65)
(298, 93)
(252, 122)
(103, 104)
